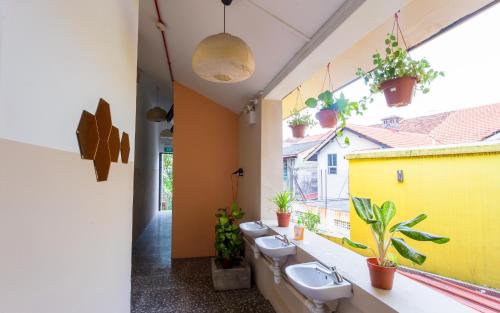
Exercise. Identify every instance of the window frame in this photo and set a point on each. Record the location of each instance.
(332, 169)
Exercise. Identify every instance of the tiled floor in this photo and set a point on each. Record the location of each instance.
(160, 285)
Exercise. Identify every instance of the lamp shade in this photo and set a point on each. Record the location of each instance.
(223, 58)
(166, 133)
(156, 114)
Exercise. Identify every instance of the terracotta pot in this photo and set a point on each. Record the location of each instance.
(381, 277)
(399, 91)
(327, 118)
(298, 131)
(283, 219)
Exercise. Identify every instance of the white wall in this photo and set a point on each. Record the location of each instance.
(57, 58)
(150, 93)
(65, 238)
(337, 185)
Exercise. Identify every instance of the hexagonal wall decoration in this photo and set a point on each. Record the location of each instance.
(103, 117)
(125, 148)
(102, 161)
(100, 141)
(114, 144)
(87, 135)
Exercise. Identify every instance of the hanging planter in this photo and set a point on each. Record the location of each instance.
(327, 118)
(397, 74)
(399, 91)
(299, 121)
(333, 109)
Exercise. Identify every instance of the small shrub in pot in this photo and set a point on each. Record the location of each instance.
(299, 121)
(283, 200)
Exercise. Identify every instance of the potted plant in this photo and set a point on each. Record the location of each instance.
(397, 75)
(283, 200)
(383, 266)
(331, 109)
(311, 221)
(229, 270)
(299, 122)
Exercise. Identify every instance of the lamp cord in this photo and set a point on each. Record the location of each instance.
(224, 18)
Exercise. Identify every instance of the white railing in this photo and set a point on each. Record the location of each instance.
(333, 222)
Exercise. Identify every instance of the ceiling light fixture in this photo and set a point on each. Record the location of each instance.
(156, 114)
(223, 58)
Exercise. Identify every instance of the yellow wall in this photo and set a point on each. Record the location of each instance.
(461, 196)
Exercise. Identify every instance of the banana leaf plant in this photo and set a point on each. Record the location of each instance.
(378, 219)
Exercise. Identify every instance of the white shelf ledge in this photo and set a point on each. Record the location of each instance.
(406, 296)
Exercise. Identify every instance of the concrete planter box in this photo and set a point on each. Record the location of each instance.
(234, 278)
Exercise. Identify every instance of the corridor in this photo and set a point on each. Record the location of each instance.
(160, 285)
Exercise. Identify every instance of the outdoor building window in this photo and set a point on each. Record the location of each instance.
(332, 164)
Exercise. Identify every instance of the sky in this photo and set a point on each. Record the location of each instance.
(469, 54)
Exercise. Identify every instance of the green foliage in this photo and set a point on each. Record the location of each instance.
(283, 200)
(378, 219)
(228, 239)
(309, 220)
(167, 179)
(396, 64)
(343, 106)
(299, 118)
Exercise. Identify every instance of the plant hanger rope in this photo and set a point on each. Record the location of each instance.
(327, 74)
(299, 98)
(395, 26)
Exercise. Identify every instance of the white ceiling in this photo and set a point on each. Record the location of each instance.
(259, 22)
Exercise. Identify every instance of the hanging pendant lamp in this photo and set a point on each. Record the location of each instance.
(167, 133)
(223, 58)
(156, 114)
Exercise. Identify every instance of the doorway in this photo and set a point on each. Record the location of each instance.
(166, 181)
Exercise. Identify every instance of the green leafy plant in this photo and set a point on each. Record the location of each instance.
(283, 200)
(309, 220)
(298, 118)
(228, 239)
(397, 63)
(343, 106)
(378, 219)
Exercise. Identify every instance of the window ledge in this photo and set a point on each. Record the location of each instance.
(406, 296)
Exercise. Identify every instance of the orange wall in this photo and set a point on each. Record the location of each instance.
(205, 154)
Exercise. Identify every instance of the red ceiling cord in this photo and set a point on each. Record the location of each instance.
(164, 38)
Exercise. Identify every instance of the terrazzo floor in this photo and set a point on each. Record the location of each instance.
(160, 285)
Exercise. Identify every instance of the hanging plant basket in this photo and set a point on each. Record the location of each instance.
(300, 120)
(299, 131)
(333, 109)
(397, 74)
(399, 92)
(327, 118)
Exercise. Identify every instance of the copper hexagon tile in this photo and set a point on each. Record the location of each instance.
(103, 117)
(125, 148)
(114, 144)
(87, 135)
(102, 161)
